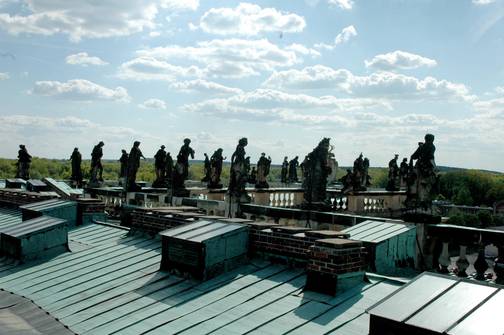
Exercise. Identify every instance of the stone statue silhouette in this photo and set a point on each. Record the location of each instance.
(285, 170)
(181, 170)
(23, 163)
(96, 164)
(316, 170)
(133, 166)
(240, 166)
(76, 159)
(423, 180)
(393, 175)
(263, 170)
(216, 169)
(160, 168)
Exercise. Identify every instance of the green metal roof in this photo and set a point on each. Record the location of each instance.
(47, 205)
(19, 315)
(376, 231)
(443, 305)
(111, 284)
(9, 217)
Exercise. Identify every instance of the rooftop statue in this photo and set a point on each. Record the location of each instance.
(23, 163)
(160, 167)
(360, 174)
(285, 170)
(333, 164)
(181, 171)
(403, 173)
(293, 164)
(263, 170)
(347, 181)
(133, 166)
(123, 173)
(206, 169)
(423, 180)
(316, 170)
(238, 177)
(76, 159)
(168, 168)
(216, 169)
(393, 175)
(96, 165)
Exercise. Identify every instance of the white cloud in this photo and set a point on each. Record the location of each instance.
(343, 4)
(399, 60)
(37, 133)
(482, 2)
(231, 58)
(89, 19)
(153, 104)
(381, 84)
(180, 5)
(325, 113)
(499, 89)
(82, 58)
(203, 86)
(150, 68)
(4, 76)
(272, 105)
(79, 90)
(249, 20)
(344, 36)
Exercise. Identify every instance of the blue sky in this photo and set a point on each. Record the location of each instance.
(374, 76)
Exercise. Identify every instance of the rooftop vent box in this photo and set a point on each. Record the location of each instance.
(37, 238)
(204, 249)
(15, 183)
(36, 185)
(61, 209)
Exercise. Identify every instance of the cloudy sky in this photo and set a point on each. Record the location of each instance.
(374, 76)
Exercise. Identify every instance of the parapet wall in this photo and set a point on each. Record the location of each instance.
(17, 197)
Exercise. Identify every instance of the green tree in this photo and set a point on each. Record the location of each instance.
(463, 197)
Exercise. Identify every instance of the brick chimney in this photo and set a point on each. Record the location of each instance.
(335, 265)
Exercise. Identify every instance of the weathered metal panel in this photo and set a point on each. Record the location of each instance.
(204, 249)
(392, 245)
(36, 238)
(451, 307)
(485, 320)
(61, 209)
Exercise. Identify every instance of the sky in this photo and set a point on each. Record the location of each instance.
(374, 76)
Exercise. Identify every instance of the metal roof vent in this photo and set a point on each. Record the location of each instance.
(204, 249)
(37, 238)
(61, 209)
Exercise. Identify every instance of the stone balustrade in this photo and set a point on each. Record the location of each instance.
(468, 252)
(369, 203)
(445, 209)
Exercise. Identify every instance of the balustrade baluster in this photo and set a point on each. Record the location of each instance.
(499, 266)
(481, 264)
(462, 262)
(444, 258)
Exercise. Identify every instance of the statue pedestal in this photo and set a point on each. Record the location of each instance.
(216, 194)
(160, 183)
(233, 205)
(317, 206)
(181, 192)
(94, 184)
(262, 197)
